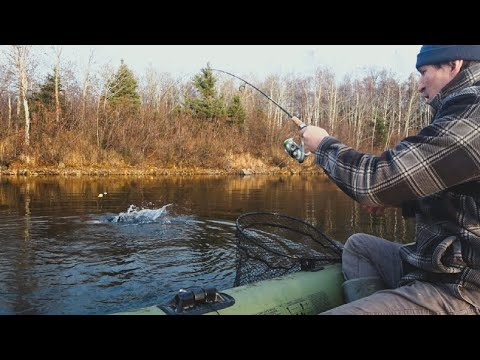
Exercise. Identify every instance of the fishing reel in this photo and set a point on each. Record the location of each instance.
(294, 150)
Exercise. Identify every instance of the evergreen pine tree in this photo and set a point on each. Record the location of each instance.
(122, 88)
(44, 98)
(236, 112)
(207, 105)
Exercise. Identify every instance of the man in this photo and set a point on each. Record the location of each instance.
(434, 175)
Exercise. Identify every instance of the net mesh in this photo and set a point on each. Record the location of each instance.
(271, 245)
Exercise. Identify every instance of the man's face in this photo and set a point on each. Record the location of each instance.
(433, 80)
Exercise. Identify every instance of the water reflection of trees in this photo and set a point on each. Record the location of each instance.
(312, 198)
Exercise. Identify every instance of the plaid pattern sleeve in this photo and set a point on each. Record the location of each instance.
(418, 166)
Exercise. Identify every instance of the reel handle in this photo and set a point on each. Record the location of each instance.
(298, 122)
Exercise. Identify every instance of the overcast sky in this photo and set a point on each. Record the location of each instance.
(257, 60)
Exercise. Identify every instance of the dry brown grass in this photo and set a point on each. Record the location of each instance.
(174, 142)
(8, 149)
(245, 161)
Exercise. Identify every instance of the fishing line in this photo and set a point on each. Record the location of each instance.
(293, 149)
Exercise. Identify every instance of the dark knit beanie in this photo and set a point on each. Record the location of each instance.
(437, 54)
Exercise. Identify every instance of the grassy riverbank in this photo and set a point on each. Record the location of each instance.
(240, 165)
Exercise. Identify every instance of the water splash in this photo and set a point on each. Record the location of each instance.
(136, 215)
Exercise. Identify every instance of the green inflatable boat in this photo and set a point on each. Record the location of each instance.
(285, 266)
(300, 293)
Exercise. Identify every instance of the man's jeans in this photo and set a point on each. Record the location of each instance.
(366, 256)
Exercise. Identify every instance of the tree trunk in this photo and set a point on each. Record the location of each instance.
(85, 87)
(9, 111)
(19, 108)
(25, 109)
(58, 52)
(21, 56)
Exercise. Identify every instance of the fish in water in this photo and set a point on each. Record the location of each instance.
(134, 215)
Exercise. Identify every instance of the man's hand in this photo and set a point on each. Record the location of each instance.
(312, 137)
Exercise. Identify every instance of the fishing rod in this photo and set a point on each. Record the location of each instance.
(294, 150)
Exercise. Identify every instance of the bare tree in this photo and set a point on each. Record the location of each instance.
(20, 56)
(5, 79)
(107, 87)
(332, 104)
(9, 111)
(159, 91)
(58, 52)
(86, 84)
(413, 96)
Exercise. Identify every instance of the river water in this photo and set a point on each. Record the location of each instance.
(63, 249)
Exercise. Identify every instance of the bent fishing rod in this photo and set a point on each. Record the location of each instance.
(294, 150)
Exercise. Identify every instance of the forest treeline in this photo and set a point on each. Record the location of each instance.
(89, 115)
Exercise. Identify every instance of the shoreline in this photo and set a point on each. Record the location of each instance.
(154, 171)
